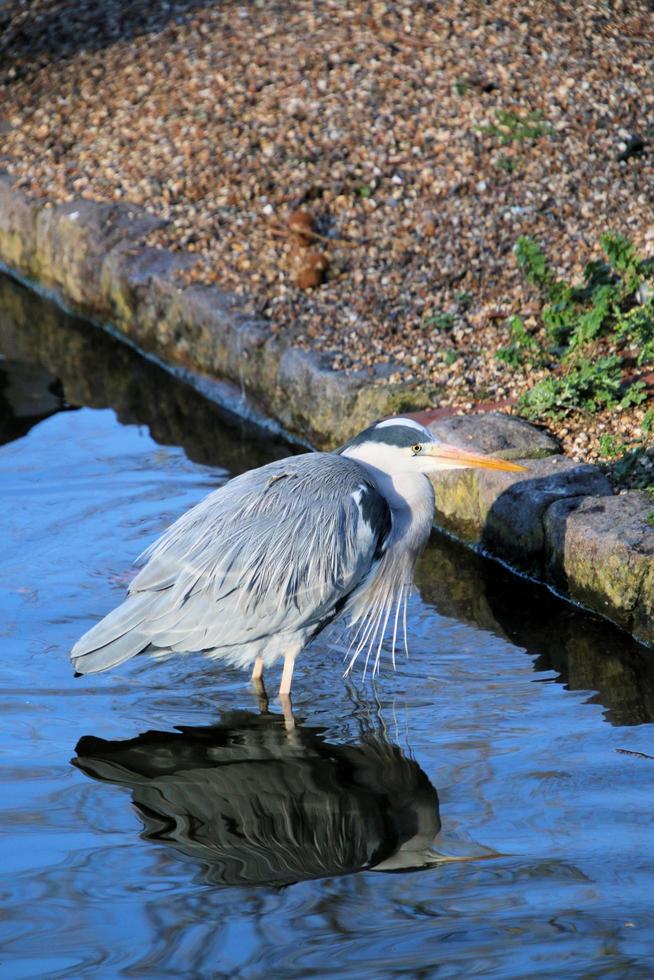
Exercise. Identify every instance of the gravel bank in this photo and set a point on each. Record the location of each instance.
(379, 124)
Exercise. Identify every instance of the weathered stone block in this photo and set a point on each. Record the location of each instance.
(503, 512)
(328, 407)
(229, 342)
(464, 497)
(142, 289)
(478, 505)
(304, 374)
(600, 552)
(73, 241)
(513, 529)
(17, 227)
(494, 432)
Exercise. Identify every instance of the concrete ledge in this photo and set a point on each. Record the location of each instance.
(91, 257)
(559, 523)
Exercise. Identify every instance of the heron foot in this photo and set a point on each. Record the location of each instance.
(258, 685)
(262, 698)
(285, 692)
(287, 711)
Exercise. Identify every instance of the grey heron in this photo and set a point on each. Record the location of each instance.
(262, 565)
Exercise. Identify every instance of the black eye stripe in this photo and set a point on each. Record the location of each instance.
(402, 436)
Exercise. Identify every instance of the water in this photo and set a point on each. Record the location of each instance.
(154, 823)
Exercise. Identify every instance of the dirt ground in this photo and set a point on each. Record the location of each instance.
(360, 171)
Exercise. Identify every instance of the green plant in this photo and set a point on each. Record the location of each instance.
(622, 257)
(588, 386)
(533, 262)
(608, 297)
(582, 325)
(507, 164)
(450, 357)
(442, 320)
(626, 470)
(610, 447)
(523, 348)
(512, 127)
(365, 191)
(461, 87)
(636, 329)
(647, 425)
(613, 300)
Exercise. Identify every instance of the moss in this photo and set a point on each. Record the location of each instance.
(378, 400)
(458, 508)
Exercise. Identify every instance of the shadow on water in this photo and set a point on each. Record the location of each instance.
(256, 804)
(55, 361)
(28, 395)
(588, 653)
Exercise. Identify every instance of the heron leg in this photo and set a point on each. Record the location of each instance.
(257, 683)
(287, 674)
(287, 711)
(285, 690)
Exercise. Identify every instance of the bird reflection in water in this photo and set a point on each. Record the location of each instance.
(256, 804)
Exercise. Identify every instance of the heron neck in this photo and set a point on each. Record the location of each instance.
(410, 497)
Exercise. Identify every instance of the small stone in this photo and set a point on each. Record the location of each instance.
(427, 225)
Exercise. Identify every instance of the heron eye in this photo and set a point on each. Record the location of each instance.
(416, 449)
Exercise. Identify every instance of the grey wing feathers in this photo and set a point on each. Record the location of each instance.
(275, 550)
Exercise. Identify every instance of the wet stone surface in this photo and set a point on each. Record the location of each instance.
(601, 553)
(515, 511)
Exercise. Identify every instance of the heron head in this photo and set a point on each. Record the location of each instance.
(400, 445)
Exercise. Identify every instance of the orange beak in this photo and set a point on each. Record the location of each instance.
(462, 458)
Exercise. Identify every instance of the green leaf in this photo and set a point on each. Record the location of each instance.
(532, 261)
